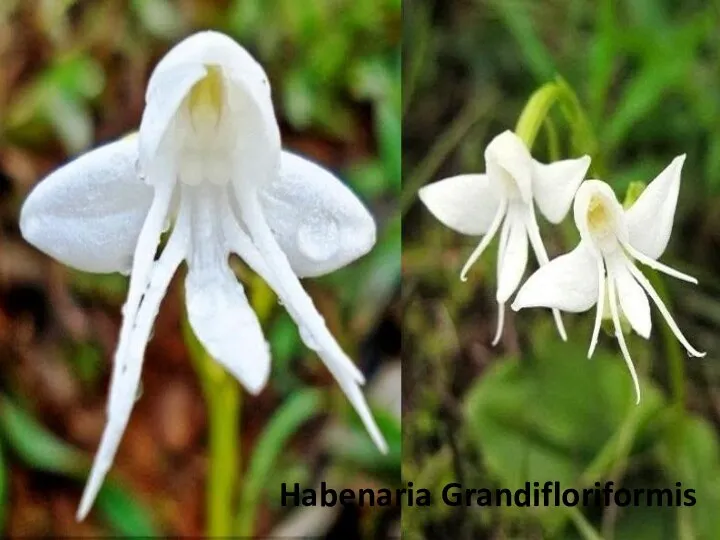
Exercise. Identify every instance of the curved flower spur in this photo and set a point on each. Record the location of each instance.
(504, 199)
(602, 266)
(208, 159)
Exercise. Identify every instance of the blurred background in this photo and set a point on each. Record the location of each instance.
(647, 74)
(73, 75)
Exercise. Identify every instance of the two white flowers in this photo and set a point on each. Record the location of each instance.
(600, 271)
(207, 162)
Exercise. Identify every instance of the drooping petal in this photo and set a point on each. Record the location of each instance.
(502, 246)
(657, 265)
(655, 297)
(318, 222)
(127, 365)
(555, 184)
(568, 282)
(485, 242)
(509, 164)
(354, 394)
(465, 203)
(313, 330)
(650, 218)
(612, 297)
(218, 310)
(514, 255)
(600, 308)
(88, 213)
(542, 258)
(500, 324)
(633, 300)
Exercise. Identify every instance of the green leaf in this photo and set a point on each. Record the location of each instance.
(587, 401)
(36, 446)
(389, 133)
(358, 451)
(43, 451)
(123, 513)
(295, 411)
(517, 17)
(691, 454)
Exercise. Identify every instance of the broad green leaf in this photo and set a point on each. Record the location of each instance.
(587, 401)
(690, 454)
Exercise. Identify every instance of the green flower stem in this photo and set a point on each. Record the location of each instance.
(222, 394)
(224, 408)
(535, 111)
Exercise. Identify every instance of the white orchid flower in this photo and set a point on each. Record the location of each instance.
(504, 199)
(602, 266)
(208, 160)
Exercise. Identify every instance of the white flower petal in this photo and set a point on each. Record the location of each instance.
(568, 282)
(600, 308)
(555, 184)
(657, 265)
(664, 311)
(218, 310)
(88, 213)
(513, 256)
(650, 218)
(128, 361)
(319, 223)
(509, 164)
(500, 324)
(485, 242)
(633, 300)
(226, 325)
(357, 400)
(313, 330)
(465, 203)
(541, 255)
(612, 296)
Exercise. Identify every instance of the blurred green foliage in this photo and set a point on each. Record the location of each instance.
(645, 79)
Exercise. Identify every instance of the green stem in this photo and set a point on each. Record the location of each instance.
(535, 111)
(224, 410)
(222, 395)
